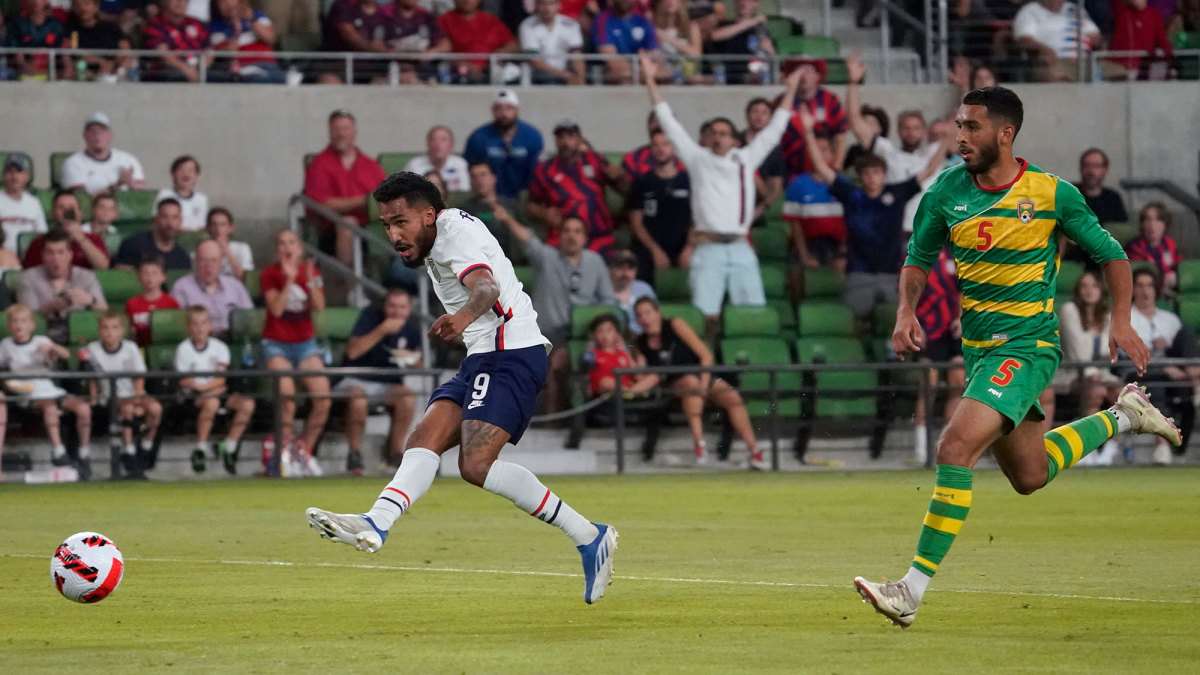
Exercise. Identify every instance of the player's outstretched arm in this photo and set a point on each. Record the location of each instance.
(484, 292)
(908, 337)
(1121, 335)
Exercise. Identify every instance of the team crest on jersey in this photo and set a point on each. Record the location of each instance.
(1025, 211)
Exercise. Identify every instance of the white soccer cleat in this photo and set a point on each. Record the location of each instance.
(1134, 401)
(347, 528)
(890, 599)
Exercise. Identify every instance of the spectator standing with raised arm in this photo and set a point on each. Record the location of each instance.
(827, 112)
(161, 240)
(439, 156)
(473, 31)
(56, 288)
(510, 145)
(185, 172)
(19, 210)
(621, 30)
(552, 36)
(341, 177)
(87, 250)
(722, 194)
(183, 42)
(572, 183)
(99, 167)
(660, 211)
(770, 177)
(874, 217)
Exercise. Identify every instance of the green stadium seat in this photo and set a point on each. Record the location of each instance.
(787, 314)
(826, 319)
(12, 281)
(168, 326)
(83, 327)
(524, 275)
(690, 314)
(394, 161)
(671, 285)
(253, 281)
(808, 45)
(112, 242)
(774, 280)
(57, 159)
(246, 324)
(46, 197)
(755, 386)
(176, 275)
(1123, 232)
(750, 322)
(135, 203)
(118, 286)
(128, 226)
(24, 239)
(1068, 275)
(39, 326)
(161, 357)
(373, 216)
(771, 244)
(823, 283)
(782, 27)
(836, 71)
(336, 323)
(6, 153)
(582, 316)
(1189, 311)
(884, 319)
(308, 158)
(833, 399)
(1189, 276)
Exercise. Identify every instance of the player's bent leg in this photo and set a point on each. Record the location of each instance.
(1023, 455)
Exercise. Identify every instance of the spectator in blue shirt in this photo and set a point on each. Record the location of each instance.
(874, 217)
(619, 31)
(511, 147)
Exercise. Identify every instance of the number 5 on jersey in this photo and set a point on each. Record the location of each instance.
(985, 235)
(479, 390)
(1004, 374)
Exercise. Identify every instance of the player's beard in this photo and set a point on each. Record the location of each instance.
(985, 158)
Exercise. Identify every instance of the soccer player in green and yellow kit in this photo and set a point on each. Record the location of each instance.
(1002, 217)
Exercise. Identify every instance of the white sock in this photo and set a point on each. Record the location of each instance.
(147, 444)
(58, 451)
(202, 446)
(85, 452)
(231, 445)
(412, 480)
(1124, 422)
(921, 442)
(130, 450)
(916, 581)
(517, 484)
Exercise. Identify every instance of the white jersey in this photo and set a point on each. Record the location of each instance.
(20, 215)
(127, 358)
(454, 172)
(25, 357)
(189, 359)
(194, 208)
(464, 244)
(94, 175)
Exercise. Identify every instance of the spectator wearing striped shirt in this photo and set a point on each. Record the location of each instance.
(572, 183)
(1154, 245)
(181, 39)
(829, 117)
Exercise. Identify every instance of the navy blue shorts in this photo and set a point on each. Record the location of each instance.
(499, 388)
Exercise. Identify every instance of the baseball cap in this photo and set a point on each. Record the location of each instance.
(97, 117)
(566, 125)
(17, 161)
(507, 96)
(622, 258)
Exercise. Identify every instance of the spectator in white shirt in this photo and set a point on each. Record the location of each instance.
(552, 36)
(113, 353)
(439, 156)
(104, 214)
(1049, 30)
(99, 167)
(19, 210)
(722, 182)
(236, 256)
(185, 173)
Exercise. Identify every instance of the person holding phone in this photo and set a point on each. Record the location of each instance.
(87, 249)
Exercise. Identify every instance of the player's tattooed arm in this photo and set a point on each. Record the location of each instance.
(484, 293)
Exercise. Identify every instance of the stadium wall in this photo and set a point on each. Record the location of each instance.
(251, 139)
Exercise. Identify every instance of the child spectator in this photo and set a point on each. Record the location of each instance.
(1154, 245)
(24, 352)
(19, 210)
(112, 353)
(607, 353)
(817, 219)
(185, 172)
(201, 352)
(104, 213)
(151, 276)
(236, 256)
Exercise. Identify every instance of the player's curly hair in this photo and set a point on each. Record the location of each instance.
(1001, 103)
(412, 188)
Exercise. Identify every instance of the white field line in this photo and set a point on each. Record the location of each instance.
(673, 580)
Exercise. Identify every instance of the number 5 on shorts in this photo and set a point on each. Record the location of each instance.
(1004, 374)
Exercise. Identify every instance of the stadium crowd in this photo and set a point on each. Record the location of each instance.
(998, 39)
(621, 267)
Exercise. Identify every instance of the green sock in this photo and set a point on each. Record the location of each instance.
(947, 511)
(1068, 444)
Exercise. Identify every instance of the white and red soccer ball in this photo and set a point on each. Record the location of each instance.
(87, 567)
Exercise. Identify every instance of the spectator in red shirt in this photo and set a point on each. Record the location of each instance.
(1154, 245)
(293, 291)
(87, 250)
(828, 115)
(181, 39)
(1138, 28)
(608, 353)
(342, 178)
(572, 183)
(151, 275)
(474, 31)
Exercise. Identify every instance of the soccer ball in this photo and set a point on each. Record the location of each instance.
(87, 567)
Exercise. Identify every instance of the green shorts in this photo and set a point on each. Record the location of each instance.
(1010, 378)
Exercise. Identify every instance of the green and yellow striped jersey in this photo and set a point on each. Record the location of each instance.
(1005, 241)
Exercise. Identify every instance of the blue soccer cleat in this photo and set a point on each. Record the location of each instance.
(598, 563)
(355, 530)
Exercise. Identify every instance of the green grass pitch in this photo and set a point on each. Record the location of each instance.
(714, 573)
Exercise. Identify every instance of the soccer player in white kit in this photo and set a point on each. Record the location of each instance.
(490, 401)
